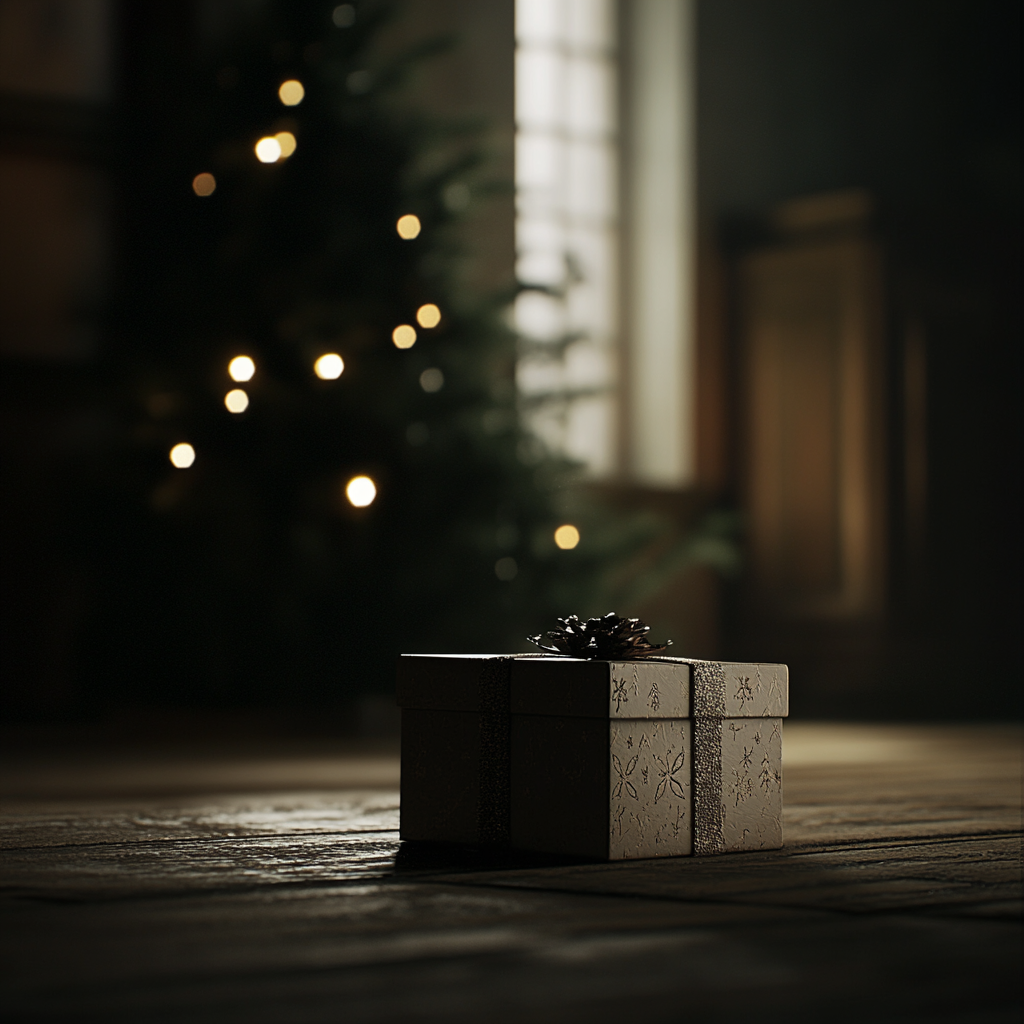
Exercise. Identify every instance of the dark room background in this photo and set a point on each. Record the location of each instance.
(857, 306)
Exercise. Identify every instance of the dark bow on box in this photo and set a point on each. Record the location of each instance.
(608, 638)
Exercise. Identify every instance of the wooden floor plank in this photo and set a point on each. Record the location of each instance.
(38, 823)
(276, 889)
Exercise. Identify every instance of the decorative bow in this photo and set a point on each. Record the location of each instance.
(605, 639)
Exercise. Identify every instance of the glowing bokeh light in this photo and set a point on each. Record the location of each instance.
(344, 15)
(361, 491)
(506, 569)
(329, 366)
(204, 184)
(183, 455)
(428, 315)
(408, 226)
(268, 150)
(236, 401)
(404, 336)
(287, 143)
(291, 93)
(567, 537)
(432, 380)
(241, 368)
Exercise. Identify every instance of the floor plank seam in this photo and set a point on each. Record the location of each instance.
(178, 840)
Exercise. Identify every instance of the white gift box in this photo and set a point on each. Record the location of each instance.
(660, 757)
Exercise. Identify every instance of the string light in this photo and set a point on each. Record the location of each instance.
(329, 366)
(287, 143)
(241, 368)
(236, 401)
(428, 315)
(291, 93)
(361, 491)
(204, 184)
(404, 336)
(567, 537)
(182, 455)
(268, 150)
(432, 380)
(408, 226)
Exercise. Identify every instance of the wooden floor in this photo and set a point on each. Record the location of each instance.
(269, 885)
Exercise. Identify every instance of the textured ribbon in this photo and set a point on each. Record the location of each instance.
(708, 712)
(494, 810)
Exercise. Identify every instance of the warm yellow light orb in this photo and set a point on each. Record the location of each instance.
(361, 491)
(428, 315)
(404, 336)
(287, 143)
(236, 401)
(268, 150)
(241, 368)
(204, 184)
(291, 93)
(567, 537)
(183, 455)
(329, 366)
(408, 226)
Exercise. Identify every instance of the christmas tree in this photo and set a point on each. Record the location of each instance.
(320, 461)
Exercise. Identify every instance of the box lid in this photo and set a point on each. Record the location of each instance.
(651, 688)
(572, 687)
(453, 682)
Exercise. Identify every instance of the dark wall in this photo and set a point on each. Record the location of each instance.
(919, 104)
(917, 101)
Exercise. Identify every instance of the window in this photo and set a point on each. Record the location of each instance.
(566, 226)
(613, 391)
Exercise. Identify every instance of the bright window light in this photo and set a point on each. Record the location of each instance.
(566, 175)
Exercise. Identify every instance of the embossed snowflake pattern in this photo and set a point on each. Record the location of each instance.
(617, 821)
(744, 691)
(769, 776)
(650, 788)
(677, 825)
(624, 774)
(668, 776)
(742, 787)
(654, 697)
(619, 693)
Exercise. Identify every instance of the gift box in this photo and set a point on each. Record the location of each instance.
(608, 760)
